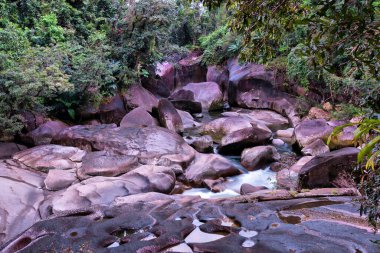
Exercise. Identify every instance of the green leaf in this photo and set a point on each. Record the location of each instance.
(71, 113)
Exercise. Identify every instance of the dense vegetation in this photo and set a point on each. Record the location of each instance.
(58, 55)
(326, 45)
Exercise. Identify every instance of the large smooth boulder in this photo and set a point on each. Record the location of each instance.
(318, 113)
(252, 86)
(8, 149)
(236, 141)
(317, 147)
(287, 135)
(138, 117)
(60, 179)
(346, 138)
(188, 120)
(208, 94)
(102, 191)
(251, 158)
(190, 70)
(202, 144)
(309, 131)
(271, 119)
(209, 166)
(169, 116)
(112, 110)
(138, 96)
(32, 120)
(219, 75)
(20, 197)
(184, 100)
(107, 164)
(150, 144)
(289, 178)
(324, 168)
(247, 189)
(44, 133)
(158, 87)
(166, 72)
(221, 127)
(47, 157)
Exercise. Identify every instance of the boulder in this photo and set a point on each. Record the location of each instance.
(187, 105)
(209, 166)
(251, 158)
(8, 149)
(138, 117)
(169, 116)
(202, 144)
(184, 100)
(166, 72)
(47, 157)
(318, 113)
(344, 139)
(107, 164)
(309, 131)
(112, 110)
(182, 94)
(251, 86)
(317, 147)
(271, 119)
(278, 142)
(324, 168)
(44, 133)
(158, 87)
(102, 191)
(32, 120)
(289, 178)
(60, 179)
(20, 197)
(88, 112)
(187, 120)
(221, 127)
(149, 144)
(208, 94)
(247, 189)
(327, 107)
(138, 96)
(219, 75)
(236, 141)
(286, 135)
(190, 70)
(217, 185)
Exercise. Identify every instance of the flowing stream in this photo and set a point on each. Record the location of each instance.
(262, 176)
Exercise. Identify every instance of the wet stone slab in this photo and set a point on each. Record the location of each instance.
(190, 224)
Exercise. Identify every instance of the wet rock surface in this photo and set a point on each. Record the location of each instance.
(323, 169)
(159, 223)
(253, 157)
(138, 117)
(169, 116)
(148, 144)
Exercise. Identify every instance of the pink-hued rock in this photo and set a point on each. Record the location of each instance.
(169, 116)
(112, 110)
(209, 166)
(138, 117)
(44, 133)
(253, 157)
(138, 96)
(208, 94)
(309, 131)
(219, 75)
(190, 70)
